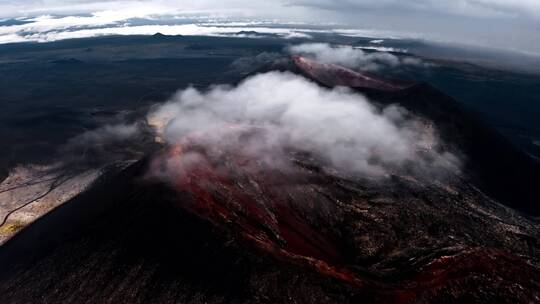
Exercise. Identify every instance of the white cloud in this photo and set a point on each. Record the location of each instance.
(236, 8)
(108, 133)
(501, 24)
(478, 8)
(352, 57)
(272, 9)
(49, 28)
(270, 113)
(105, 145)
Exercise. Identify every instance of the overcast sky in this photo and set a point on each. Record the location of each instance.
(508, 24)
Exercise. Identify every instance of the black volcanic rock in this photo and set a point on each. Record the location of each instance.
(237, 230)
(132, 242)
(273, 237)
(492, 163)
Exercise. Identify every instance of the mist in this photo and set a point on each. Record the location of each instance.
(269, 114)
(113, 143)
(355, 58)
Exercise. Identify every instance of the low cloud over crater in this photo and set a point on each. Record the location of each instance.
(355, 58)
(281, 111)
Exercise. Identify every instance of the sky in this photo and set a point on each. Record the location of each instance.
(503, 24)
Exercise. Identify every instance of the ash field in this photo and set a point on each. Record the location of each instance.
(258, 169)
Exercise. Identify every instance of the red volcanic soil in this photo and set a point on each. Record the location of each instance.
(234, 229)
(281, 213)
(335, 75)
(235, 191)
(468, 275)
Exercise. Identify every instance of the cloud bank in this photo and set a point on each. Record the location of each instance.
(269, 114)
(501, 24)
(480, 8)
(477, 8)
(511, 25)
(48, 28)
(352, 57)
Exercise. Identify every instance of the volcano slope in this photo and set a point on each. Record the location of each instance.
(492, 162)
(234, 229)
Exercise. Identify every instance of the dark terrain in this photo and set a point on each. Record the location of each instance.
(251, 233)
(51, 92)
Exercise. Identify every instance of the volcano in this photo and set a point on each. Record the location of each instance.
(231, 228)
